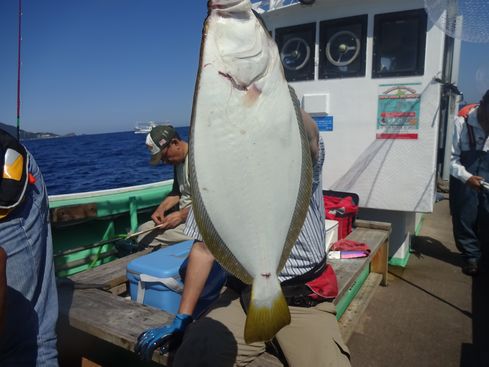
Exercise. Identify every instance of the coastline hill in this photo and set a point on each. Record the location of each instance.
(24, 135)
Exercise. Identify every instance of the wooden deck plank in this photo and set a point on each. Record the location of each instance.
(356, 308)
(380, 263)
(110, 317)
(371, 224)
(112, 274)
(348, 270)
(88, 363)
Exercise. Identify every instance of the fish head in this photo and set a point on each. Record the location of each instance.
(244, 45)
(229, 6)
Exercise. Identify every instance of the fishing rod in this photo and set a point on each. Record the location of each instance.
(18, 70)
(105, 242)
(70, 283)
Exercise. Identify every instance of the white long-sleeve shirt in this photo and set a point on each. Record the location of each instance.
(460, 143)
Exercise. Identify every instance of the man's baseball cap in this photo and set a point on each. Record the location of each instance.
(158, 139)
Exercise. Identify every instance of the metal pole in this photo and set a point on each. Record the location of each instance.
(18, 70)
(448, 99)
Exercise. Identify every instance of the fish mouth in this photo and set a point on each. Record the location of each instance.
(237, 85)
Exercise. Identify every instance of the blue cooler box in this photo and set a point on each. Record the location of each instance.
(154, 279)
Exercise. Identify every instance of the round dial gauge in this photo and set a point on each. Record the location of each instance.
(342, 48)
(295, 53)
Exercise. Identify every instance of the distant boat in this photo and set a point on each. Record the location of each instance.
(145, 127)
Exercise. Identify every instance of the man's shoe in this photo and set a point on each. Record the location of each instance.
(471, 268)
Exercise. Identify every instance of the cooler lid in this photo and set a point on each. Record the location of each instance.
(330, 224)
(162, 263)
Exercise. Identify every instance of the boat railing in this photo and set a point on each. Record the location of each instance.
(84, 226)
(60, 198)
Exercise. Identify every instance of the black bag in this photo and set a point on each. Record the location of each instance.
(14, 162)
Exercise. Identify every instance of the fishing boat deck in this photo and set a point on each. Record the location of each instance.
(431, 314)
(98, 315)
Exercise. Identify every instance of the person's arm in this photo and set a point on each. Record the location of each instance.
(3, 287)
(169, 202)
(312, 133)
(457, 169)
(199, 267)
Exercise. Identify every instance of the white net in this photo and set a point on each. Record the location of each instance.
(467, 20)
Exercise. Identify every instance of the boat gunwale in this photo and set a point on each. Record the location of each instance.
(98, 193)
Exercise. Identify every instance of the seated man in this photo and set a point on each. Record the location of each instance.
(311, 339)
(166, 146)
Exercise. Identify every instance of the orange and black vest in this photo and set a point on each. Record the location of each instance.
(465, 110)
(14, 177)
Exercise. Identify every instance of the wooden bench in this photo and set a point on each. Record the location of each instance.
(101, 313)
(358, 278)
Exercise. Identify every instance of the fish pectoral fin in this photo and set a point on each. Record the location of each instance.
(267, 312)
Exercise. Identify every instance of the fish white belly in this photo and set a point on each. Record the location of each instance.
(244, 159)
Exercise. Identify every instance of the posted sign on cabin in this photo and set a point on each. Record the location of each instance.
(398, 111)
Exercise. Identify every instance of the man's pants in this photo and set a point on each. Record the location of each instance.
(470, 219)
(161, 237)
(29, 337)
(311, 339)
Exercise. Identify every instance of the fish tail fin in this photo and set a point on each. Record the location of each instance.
(267, 312)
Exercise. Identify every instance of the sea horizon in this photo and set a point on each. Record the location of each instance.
(91, 162)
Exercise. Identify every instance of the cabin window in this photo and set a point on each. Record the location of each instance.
(399, 44)
(342, 47)
(296, 49)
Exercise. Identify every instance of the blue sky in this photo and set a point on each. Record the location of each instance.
(99, 65)
(102, 65)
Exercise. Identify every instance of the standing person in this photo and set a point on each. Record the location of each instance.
(469, 169)
(311, 339)
(166, 146)
(28, 337)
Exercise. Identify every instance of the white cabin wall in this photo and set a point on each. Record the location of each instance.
(397, 175)
(395, 179)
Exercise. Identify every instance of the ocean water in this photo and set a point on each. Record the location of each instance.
(96, 162)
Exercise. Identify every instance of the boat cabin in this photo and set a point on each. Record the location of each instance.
(369, 73)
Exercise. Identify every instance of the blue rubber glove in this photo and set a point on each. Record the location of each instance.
(161, 337)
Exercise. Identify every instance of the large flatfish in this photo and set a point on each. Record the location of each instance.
(249, 159)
